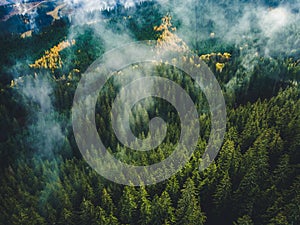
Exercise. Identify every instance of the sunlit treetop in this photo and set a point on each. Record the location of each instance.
(51, 59)
(220, 67)
(167, 40)
(216, 56)
(218, 59)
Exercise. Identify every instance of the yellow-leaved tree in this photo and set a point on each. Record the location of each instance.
(51, 59)
(167, 40)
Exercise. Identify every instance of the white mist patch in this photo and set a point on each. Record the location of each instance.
(23, 8)
(273, 20)
(92, 5)
(39, 92)
(45, 133)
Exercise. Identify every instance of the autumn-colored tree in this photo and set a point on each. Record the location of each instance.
(52, 60)
(167, 40)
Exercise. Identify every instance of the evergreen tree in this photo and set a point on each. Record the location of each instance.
(144, 207)
(188, 208)
(128, 205)
(244, 220)
(162, 210)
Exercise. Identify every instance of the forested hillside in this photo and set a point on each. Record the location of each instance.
(255, 178)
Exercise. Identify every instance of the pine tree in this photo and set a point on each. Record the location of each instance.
(244, 220)
(87, 213)
(162, 210)
(282, 171)
(128, 205)
(223, 194)
(173, 188)
(280, 219)
(188, 208)
(144, 207)
(228, 159)
(107, 203)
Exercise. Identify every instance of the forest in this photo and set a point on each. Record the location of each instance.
(255, 178)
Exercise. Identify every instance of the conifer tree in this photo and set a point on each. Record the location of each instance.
(144, 207)
(162, 210)
(188, 208)
(128, 205)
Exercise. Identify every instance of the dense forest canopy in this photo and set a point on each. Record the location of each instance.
(252, 48)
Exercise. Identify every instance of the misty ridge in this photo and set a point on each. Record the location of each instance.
(269, 27)
(256, 28)
(253, 29)
(251, 46)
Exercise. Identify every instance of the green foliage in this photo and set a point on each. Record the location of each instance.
(188, 208)
(254, 180)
